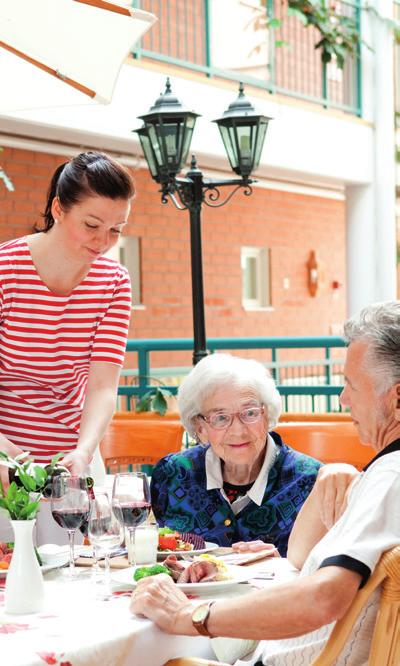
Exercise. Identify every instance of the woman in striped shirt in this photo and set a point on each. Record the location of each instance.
(64, 317)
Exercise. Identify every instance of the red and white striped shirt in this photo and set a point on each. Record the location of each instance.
(47, 343)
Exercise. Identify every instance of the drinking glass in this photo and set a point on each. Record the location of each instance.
(69, 507)
(104, 530)
(131, 504)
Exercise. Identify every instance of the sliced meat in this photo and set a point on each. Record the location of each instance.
(196, 540)
(175, 566)
(199, 571)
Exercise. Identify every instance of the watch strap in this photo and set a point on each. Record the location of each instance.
(201, 625)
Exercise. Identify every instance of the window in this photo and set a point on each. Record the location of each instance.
(127, 252)
(255, 262)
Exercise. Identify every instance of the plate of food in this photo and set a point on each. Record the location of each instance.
(6, 552)
(179, 543)
(204, 574)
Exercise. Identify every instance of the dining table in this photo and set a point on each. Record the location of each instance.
(79, 626)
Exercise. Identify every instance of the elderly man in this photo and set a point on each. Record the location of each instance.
(293, 621)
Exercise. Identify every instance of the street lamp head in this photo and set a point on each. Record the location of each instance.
(166, 135)
(243, 132)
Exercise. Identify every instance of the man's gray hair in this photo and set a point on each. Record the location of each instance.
(379, 325)
(217, 370)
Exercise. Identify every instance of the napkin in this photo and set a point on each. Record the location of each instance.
(115, 562)
(246, 558)
(54, 555)
(229, 650)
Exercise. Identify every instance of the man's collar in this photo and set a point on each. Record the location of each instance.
(394, 446)
(257, 491)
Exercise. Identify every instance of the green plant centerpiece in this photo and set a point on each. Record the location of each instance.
(155, 400)
(28, 483)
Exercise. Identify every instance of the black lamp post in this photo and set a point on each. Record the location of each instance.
(165, 138)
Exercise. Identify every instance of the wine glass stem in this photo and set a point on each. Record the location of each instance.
(132, 559)
(95, 567)
(71, 537)
(107, 568)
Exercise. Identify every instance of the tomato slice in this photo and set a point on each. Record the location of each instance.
(167, 542)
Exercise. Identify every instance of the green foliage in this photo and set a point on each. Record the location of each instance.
(339, 34)
(21, 500)
(155, 400)
(18, 503)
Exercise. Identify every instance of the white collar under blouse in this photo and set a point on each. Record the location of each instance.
(257, 490)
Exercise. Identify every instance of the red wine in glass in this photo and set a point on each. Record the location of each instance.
(69, 507)
(131, 503)
(70, 519)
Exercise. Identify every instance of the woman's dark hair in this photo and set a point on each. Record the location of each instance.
(87, 174)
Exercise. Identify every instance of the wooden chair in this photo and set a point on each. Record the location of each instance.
(139, 442)
(310, 417)
(385, 642)
(329, 442)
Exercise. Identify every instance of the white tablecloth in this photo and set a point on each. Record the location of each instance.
(77, 629)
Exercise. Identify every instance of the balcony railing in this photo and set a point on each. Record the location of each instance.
(194, 34)
(306, 385)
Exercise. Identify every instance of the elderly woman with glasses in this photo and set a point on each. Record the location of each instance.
(241, 483)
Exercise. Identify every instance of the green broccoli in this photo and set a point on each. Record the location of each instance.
(142, 572)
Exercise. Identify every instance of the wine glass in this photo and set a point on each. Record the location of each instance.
(131, 504)
(69, 507)
(104, 530)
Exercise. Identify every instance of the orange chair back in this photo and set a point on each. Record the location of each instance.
(152, 416)
(140, 442)
(328, 442)
(314, 416)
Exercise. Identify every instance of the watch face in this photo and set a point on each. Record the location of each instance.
(200, 613)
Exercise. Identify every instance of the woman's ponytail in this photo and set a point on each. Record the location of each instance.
(51, 193)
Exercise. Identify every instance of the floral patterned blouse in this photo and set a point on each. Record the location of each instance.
(181, 501)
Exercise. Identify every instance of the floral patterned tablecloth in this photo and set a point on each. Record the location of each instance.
(76, 628)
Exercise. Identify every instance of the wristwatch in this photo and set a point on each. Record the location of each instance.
(200, 617)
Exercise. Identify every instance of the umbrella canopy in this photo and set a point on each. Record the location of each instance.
(81, 42)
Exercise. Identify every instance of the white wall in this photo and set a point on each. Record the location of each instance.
(303, 143)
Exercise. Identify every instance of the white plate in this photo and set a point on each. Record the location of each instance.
(162, 554)
(44, 568)
(238, 575)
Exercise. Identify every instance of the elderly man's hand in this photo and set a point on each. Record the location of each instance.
(333, 483)
(255, 547)
(159, 599)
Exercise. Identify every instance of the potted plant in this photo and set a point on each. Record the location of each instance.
(24, 591)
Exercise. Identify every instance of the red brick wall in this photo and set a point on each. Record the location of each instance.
(179, 31)
(290, 224)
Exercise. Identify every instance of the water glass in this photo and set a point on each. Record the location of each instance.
(146, 544)
(104, 530)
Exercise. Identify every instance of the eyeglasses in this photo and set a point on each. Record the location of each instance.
(223, 420)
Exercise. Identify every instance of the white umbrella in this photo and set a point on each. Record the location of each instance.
(81, 42)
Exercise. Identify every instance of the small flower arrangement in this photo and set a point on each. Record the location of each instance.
(28, 483)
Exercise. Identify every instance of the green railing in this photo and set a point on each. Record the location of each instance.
(305, 385)
(194, 34)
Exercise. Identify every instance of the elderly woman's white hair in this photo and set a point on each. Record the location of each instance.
(218, 370)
